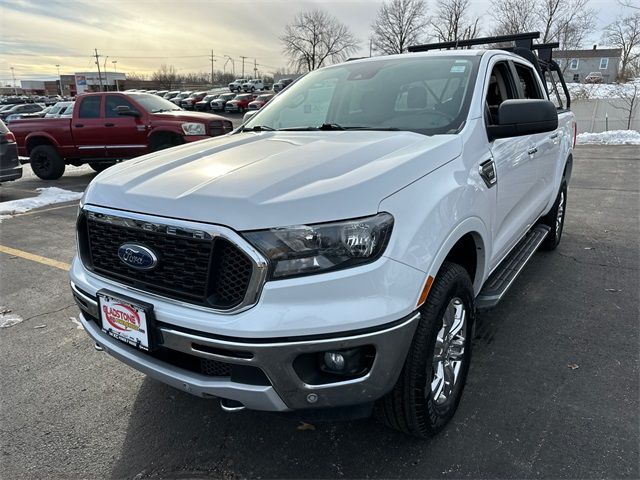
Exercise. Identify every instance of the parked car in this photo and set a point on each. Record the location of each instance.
(254, 84)
(594, 77)
(40, 114)
(111, 126)
(236, 85)
(57, 109)
(10, 168)
(337, 258)
(67, 112)
(19, 109)
(204, 105)
(240, 103)
(172, 94)
(281, 84)
(218, 104)
(162, 93)
(181, 96)
(189, 102)
(260, 101)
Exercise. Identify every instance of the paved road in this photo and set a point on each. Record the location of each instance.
(69, 412)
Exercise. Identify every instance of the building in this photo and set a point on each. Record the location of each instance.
(40, 87)
(68, 84)
(94, 82)
(577, 64)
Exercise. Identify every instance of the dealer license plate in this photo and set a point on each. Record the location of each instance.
(125, 321)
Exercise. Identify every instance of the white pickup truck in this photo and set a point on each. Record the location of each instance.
(332, 252)
(236, 85)
(254, 84)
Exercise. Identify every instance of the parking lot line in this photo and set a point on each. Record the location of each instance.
(35, 258)
(33, 212)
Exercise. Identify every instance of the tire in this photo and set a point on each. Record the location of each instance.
(46, 162)
(555, 219)
(101, 166)
(422, 401)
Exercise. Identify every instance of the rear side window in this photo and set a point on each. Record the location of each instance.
(114, 101)
(90, 107)
(528, 84)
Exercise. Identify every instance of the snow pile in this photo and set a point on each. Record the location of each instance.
(599, 90)
(612, 137)
(48, 196)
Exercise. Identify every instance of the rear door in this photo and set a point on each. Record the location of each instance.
(514, 166)
(88, 127)
(126, 136)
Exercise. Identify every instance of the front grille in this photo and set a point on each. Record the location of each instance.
(213, 273)
(220, 127)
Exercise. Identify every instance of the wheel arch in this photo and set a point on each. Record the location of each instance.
(160, 137)
(36, 139)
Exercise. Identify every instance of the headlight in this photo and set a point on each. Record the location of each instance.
(193, 129)
(307, 249)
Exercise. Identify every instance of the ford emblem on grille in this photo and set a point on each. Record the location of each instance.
(137, 256)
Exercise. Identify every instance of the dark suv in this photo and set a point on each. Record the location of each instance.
(10, 168)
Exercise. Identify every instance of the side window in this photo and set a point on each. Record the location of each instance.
(90, 107)
(501, 88)
(528, 84)
(114, 101)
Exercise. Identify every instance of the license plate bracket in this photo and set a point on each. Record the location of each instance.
(126, 319)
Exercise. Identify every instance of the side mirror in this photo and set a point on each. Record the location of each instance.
(126, 111)
(524, 117)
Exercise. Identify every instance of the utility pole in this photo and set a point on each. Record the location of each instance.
(98, 64)
(255, 69)
(106, 75)
(212, 60)
(114, 72)
(13, 74)
(59, 79)
(242, 65)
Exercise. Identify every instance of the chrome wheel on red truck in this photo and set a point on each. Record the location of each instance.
(46, 162)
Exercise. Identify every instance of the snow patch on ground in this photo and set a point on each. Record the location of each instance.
(612, 137)
(8, 319)
(70, 170)
(601, 90)
(48, 196)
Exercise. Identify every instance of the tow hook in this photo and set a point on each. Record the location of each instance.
(98, 347)
(231, 405)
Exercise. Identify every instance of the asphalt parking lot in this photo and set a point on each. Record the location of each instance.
(553, 390)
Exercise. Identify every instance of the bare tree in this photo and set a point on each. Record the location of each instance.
(165, 76)
(451, 21)
(629, 4)
(629, 95)
(568, 22)
(399, 24)
(315, 38)
(513, 16)
(624, 33)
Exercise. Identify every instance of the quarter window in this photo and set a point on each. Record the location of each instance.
(528, 83)
(604, 63)
(90, 107)
(573, 64)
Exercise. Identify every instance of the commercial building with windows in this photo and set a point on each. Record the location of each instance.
(577, 64)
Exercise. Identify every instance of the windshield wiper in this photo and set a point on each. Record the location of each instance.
(258, 128)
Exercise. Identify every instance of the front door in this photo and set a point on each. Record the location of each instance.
(126, 136)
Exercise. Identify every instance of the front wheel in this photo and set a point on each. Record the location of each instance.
(430, 386)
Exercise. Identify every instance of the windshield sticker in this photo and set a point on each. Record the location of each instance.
(458, 68)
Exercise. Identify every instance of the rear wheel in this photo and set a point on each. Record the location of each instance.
(555, 219)
(46, 162)
(430, 386)
(100, 166)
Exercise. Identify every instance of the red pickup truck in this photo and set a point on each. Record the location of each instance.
(107, 127)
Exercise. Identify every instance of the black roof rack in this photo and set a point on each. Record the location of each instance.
(522, 45)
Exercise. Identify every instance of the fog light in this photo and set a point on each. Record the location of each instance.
(334, 361)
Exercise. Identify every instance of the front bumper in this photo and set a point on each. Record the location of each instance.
(285, 389)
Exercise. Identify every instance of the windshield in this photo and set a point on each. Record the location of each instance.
(428, 95)
(153, 103)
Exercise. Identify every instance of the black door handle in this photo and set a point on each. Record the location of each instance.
(79, 125)
(109, 124)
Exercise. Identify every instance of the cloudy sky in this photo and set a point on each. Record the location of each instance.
(35, 35)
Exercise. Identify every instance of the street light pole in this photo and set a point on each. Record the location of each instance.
(13, 75)
(59, 79)
(115, 72)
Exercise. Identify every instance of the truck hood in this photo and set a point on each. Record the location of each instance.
(259, 180)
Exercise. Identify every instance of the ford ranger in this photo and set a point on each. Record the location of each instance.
(331, 253)
(107, 127)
